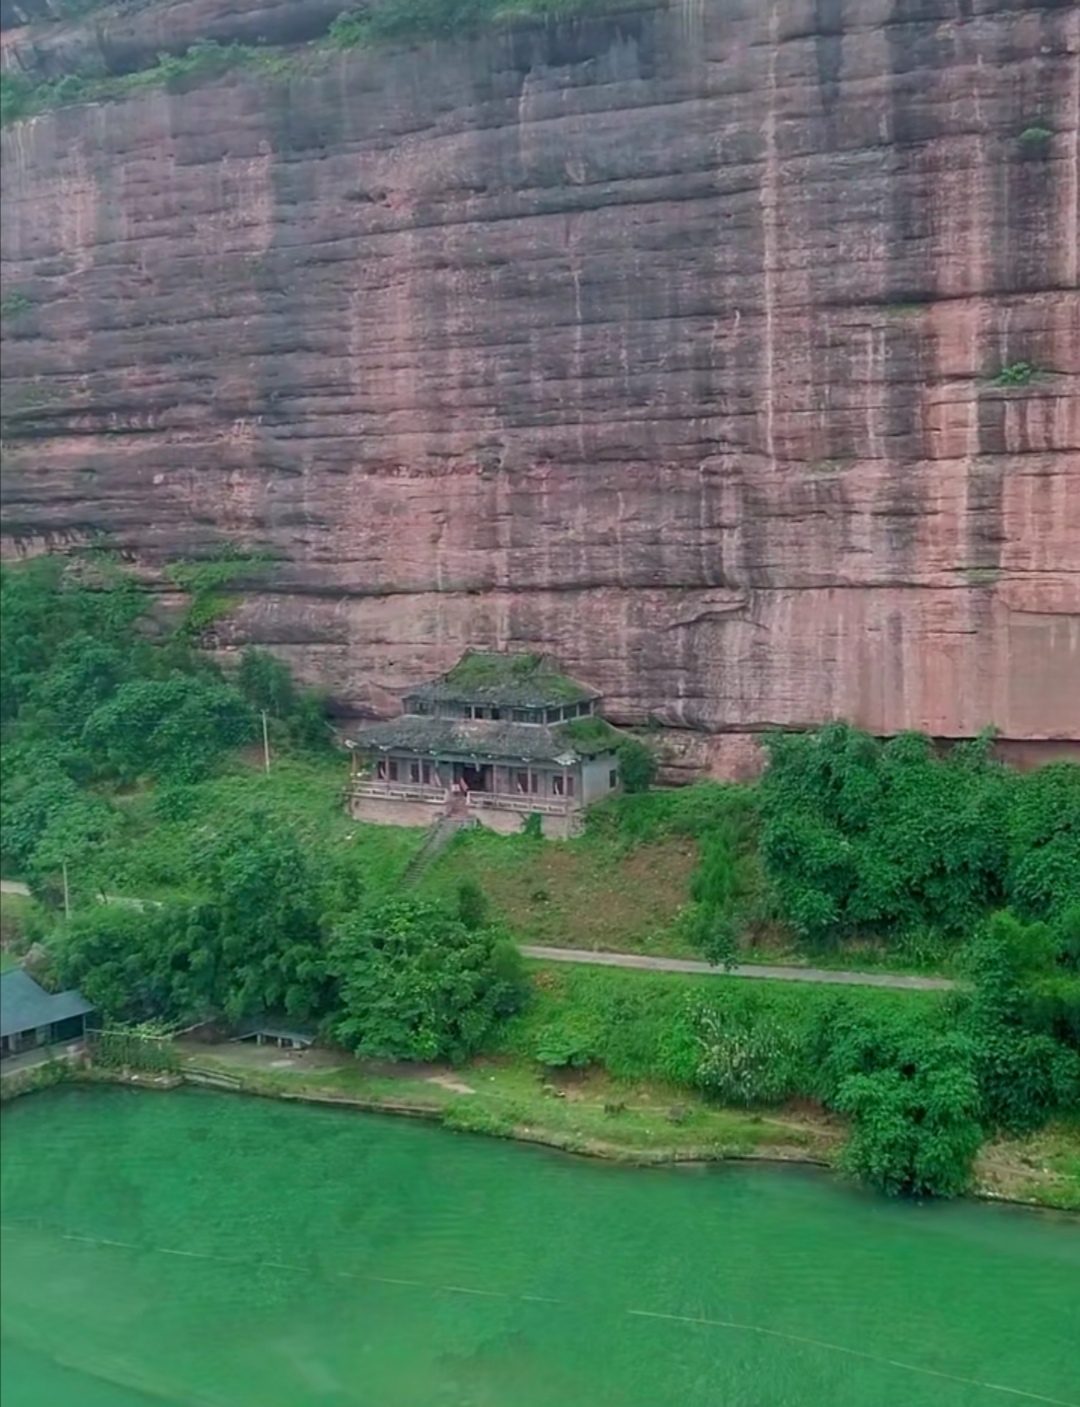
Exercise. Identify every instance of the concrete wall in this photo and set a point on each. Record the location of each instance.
(383, 811)
(560, 827)
(595, 777)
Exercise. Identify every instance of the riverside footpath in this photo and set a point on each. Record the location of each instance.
(755, 971)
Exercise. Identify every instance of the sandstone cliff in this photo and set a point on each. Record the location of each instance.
(729, 351)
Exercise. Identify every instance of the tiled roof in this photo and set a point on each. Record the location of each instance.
(462, 737)
(24, 1006)
(506, 681)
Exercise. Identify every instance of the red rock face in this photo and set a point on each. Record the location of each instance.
(680, 344)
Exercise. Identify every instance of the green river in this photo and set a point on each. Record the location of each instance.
(206, 1249)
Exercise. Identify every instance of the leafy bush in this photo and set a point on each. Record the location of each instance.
(174, 728)
(1016, 374)
(265, 912)
(916, 1132)
(254, 946)
(1021, 1019)
(267, 684)
(127, 961)
(893, 839)
(749, 1059)
(693, 811)
(561, 1045)
(16, 97)
(417, 984)
(637, 765)
(641, 1025)
(473, 908)
(916, 1074)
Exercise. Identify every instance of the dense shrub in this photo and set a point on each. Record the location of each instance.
(913, 1131)
(749, 1058)
(919, 1075)
(694, 811)
(174, 728)
(95, 690)
(893, 839)
(254, 944)
(1021, 1018)
(299, 714)
(640, 1025)
(637, 765)
(417, 983)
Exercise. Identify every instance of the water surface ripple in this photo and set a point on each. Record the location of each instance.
(210, 1251)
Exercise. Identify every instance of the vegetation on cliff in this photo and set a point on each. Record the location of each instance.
(123, 771)
(23, 95)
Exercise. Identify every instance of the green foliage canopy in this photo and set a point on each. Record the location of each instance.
(860, 836)
(417, 983)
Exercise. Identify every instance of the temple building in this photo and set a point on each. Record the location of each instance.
(503, 736)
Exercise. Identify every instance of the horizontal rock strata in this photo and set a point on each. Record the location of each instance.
(730, 352)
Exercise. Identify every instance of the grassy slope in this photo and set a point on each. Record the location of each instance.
(603, 890)
(593, 892)
(590, 892)
(15, 911)
(157, 854)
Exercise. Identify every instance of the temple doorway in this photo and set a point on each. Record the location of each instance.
(475, 778)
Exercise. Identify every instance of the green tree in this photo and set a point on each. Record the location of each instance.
(48, 821)
(637, 765)
(174, 728)
(137, 963)
(472, 905)
(1013, 1015)
(265, 905)
(417, 984)
(1043, 878)
(266, 683)
(891, 839)
(915, 1129)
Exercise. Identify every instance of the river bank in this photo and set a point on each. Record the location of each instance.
(639, 1123)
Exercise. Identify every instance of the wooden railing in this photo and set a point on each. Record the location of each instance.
(526, 805)
(501, 801)
(397, 791)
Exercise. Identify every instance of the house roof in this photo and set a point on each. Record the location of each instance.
(24, 1006)
(563, 743)
(505, 680)
(275, 1032)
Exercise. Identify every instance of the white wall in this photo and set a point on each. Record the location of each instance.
(595, 775)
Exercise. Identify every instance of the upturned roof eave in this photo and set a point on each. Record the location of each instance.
(472, 754)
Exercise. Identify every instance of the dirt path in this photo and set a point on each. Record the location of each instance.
(15, 886)
(775, 974)
(768, 973)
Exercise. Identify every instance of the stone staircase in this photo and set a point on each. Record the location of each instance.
(435, 842)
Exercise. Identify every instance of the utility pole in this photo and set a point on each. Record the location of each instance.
(67, 895)
(266, 742)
